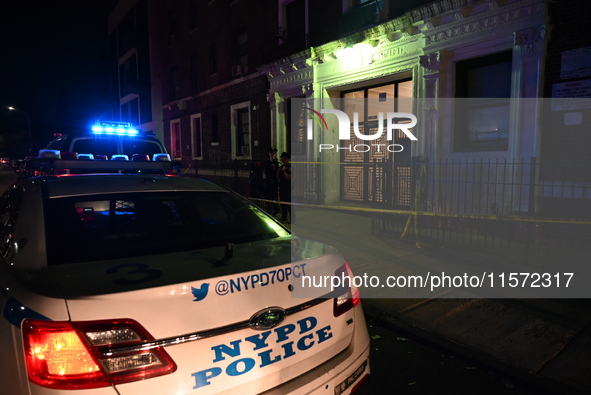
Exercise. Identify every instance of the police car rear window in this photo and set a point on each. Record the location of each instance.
(95, 146)
(102, 227)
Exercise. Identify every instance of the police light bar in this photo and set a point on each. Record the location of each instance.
(115, 128)
(53, 162)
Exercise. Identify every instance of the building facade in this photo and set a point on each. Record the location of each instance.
(135, 94)
(440, 56)
(229, 79)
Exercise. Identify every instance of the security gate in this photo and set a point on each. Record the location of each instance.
(374, 173)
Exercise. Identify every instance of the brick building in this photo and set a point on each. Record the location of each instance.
(224, 75)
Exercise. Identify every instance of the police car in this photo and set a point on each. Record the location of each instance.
(108, 139)
(147, 283)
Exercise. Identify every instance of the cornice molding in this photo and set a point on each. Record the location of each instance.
(420, 37)
(295, 78)
(461, 28)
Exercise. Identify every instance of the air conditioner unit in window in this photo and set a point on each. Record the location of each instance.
(244, 150)
(238, 70)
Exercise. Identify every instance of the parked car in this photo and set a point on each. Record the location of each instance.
(16, 163)
(152, 284)
(26, 168)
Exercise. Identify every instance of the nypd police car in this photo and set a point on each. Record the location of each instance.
(108, 139)
(148, 283)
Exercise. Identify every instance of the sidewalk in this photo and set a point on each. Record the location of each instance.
(545, 342)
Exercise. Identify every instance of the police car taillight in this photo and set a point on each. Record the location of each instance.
(82, 355)
(349, 296)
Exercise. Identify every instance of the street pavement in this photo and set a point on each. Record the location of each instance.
(542, 342)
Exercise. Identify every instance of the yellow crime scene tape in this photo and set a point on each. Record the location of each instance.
(427, 213)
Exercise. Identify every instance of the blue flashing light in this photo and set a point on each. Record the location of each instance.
(115, 129)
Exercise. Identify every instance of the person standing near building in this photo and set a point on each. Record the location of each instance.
(256, 180)
(284, 176)
(270, 181)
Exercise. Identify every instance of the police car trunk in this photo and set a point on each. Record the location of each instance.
(238, 315)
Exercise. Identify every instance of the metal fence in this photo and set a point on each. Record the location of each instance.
(496, 204)
(467, 187)
(499, 204)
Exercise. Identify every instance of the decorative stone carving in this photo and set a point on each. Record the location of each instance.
(308, 89)
(530, 41)
(430, 62)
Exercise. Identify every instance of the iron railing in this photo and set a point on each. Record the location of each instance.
(500, 204)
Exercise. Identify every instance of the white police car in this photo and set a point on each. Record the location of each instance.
(106, 140)
(154, 284)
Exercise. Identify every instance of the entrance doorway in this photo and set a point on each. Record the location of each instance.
(378, 174)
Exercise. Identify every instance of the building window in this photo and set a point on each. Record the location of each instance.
(241, 48)
(240, 115)
(130, 111)
(293, 24)
(126, 31)
(483, 89)
(128, 76)
(368, 103)
(362, 13)
(194, 14)
(196, 137)
(175, 138)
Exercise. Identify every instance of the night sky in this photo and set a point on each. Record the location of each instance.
(52, 61)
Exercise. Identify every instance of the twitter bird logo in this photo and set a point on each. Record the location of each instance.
(200, 293)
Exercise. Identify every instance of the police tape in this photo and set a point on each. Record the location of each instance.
(430, 214)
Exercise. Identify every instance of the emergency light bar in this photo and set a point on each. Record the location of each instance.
(52, 162)
(115, 128)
